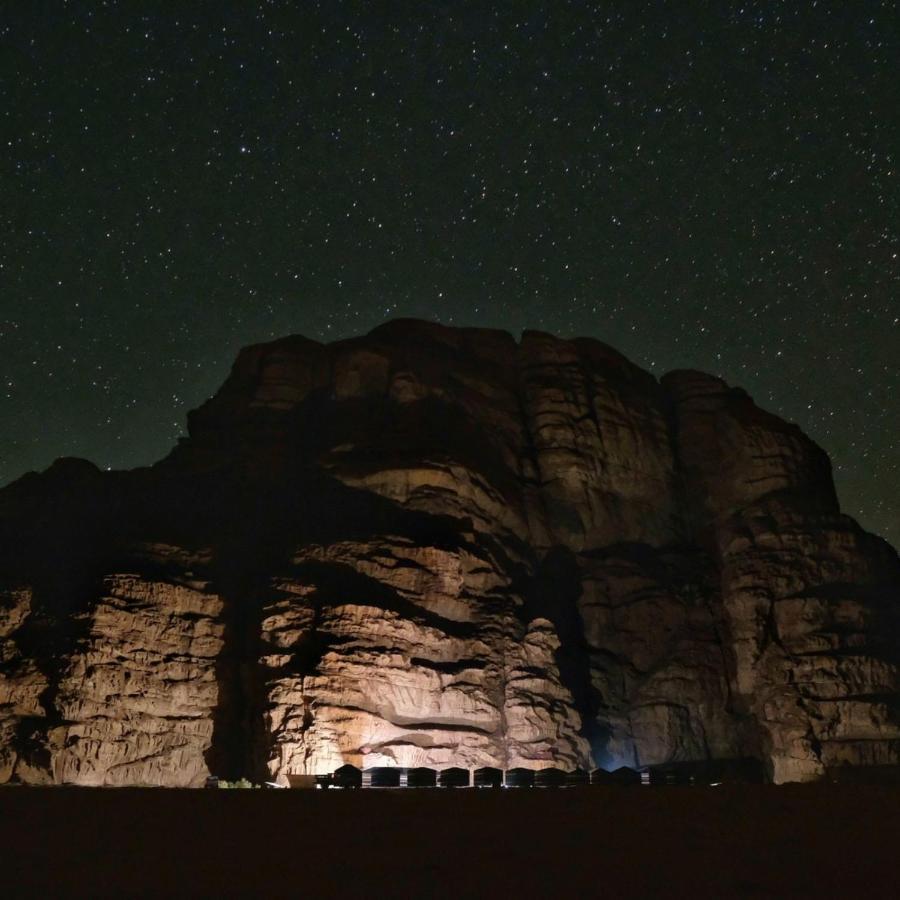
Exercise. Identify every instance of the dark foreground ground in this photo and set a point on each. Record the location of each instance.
(738, 841)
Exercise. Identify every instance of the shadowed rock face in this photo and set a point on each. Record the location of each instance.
(434, 546)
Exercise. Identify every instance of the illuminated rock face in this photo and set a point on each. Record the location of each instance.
(439, 547)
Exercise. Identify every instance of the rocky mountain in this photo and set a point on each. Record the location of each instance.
(437, 546)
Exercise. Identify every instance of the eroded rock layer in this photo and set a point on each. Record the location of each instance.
(440, 547)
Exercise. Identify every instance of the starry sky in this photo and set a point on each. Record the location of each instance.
(704, 185)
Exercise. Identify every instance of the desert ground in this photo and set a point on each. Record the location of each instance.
(729, 841)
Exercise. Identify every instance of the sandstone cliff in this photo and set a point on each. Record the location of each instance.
(435, 546)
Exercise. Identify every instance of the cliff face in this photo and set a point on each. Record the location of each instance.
(434, 546)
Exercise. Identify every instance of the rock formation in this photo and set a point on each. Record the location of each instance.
(436, 546)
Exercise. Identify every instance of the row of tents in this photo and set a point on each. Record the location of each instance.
(485, 777)
(711, 772)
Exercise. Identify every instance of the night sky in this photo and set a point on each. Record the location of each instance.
(707, 185)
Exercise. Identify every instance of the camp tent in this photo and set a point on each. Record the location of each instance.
(347, 777)
(519, 778)
(488, 777)
(381, 776)
(453, 777)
